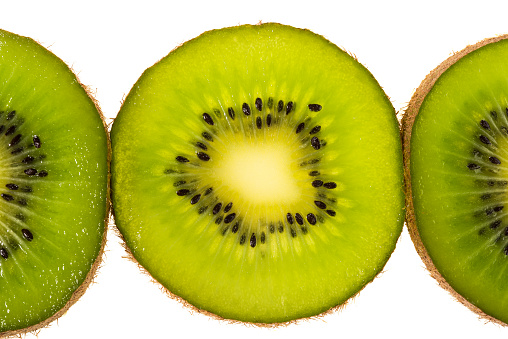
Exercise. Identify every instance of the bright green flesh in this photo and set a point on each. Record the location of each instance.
(66, 210)
(303, 270)
(459, 208)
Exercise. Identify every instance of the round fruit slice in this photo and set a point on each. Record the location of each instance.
(257, 173)
(53, 186)
(456, 163)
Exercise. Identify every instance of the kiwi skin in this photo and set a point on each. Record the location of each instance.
(408, 120)
(34, 329)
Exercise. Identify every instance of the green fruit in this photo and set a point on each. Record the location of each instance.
(53, 186)
(257, 173)
(455, 141)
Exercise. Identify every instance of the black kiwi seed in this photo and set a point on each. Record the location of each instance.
(37, 141)
(242, 239)
(272, 228)
(493, 114)
(495, 224)
(485, 140)
(202, 146)
(253, 240)
(299, 219)
(11, 115)
(315, 130)
(208, 119)
(317, 183)
(320, 204)
(293, 232)
(17, 150)
(229, 218)
(311, 218)
(280, 106)
(30, 171)
(28, 160)
(203, 156)
(289, 107)
(495, 160)
(228, 207)
(208, 191)
(268, 120)
(505, 250)
(43, 173)
(246, 109)
(182, 192)
(473, 166)
(3, 253)
(486, 196)
(289, 218)
(10, 130)
(231, 113)
(315, 143)
(235, 228)
(259, 104)
(300, 127)
(330, 185)
(218, 220)
(314, 173)
(258, 122)
(315, 107)
(262, 238)
(207, 136)
(27, 234)
(15, 140)
(12, 186)
(7, 197)
(181, 159)
(280, 228)
(331, 213)
(195, 199)
(485, 124)
(217, 208)
(270, 102)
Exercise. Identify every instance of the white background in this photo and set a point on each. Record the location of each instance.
(110, 44)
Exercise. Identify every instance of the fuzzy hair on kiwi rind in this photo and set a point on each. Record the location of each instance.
(407, 123)
(120, 138)
(95, 267)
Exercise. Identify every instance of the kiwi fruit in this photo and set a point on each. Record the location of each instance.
(455, 135)
(257, 174)
(53, 186)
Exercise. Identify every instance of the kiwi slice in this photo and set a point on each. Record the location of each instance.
(455, 147)
(53, 186)
(257, 174)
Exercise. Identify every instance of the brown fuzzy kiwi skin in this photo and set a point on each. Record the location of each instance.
(89, 279)
(407, 126)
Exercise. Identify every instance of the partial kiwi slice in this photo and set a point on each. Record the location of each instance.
(456, 157)
(53, 186)
(257, 173)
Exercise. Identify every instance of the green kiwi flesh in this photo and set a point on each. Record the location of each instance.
(53, 186)
(257, 174)
(455, 153)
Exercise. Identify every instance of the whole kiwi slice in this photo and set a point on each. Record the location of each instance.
(53, 186)
(455, 153)
(257, 173)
